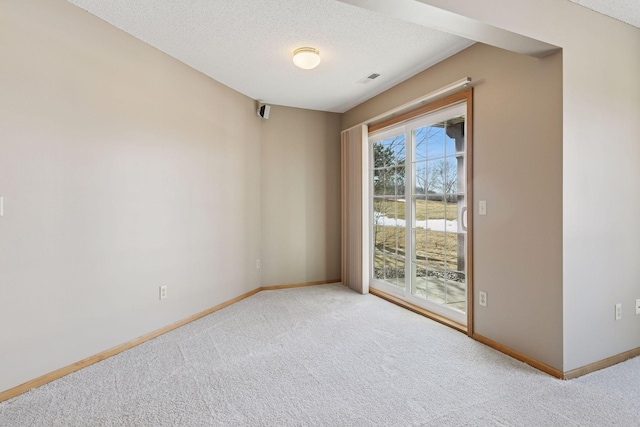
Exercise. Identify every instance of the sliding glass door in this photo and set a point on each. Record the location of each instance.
(419, 211)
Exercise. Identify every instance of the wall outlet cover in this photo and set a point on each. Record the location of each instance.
(483, 298)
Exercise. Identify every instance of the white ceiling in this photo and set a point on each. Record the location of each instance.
(627, 11)
(248, 44)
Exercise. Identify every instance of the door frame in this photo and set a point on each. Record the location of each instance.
(451, 100)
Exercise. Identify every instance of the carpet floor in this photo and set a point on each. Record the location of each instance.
(325, 356)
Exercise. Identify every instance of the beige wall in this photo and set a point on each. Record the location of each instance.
(601, 165)
(300, 196)
(122, 170)
(518, 171)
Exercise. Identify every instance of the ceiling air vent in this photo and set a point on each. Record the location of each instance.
(370, 77)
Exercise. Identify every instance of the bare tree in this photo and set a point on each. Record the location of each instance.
(441, 177)
(389, 168)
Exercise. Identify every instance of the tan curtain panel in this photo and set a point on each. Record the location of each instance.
(355, 224)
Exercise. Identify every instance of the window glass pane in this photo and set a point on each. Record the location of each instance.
(383, 209)
(455, 136)
(454, 252)
(398, 212)
(382, 154)
(379, 234)
(399, 150)
(388, 266)
(435, 140)
(449, 141)
(389, 186)
(378, 264)
(394, 271)
(435, 211)
(420, 178)
(420, 149)
(399, 180)
(451, 175)
(401, 245)
(420, 212)
(455, 295)
(419, 274)
(436, 248)
(435, 286)
(379, 179)
(458, 277)
(461, 174)
(420, 245)
(389, 242)
(436, 176)
(400, 272)
(385, 237)
(451, 214)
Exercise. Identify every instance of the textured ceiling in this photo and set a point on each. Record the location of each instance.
(623, 10)
(248, 44)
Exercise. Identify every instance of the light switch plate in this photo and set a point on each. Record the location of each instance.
(482, 207)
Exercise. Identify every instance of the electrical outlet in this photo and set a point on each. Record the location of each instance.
(638, 306)
(163, 291)
(618, 311)
(257, 263)
(483, 298)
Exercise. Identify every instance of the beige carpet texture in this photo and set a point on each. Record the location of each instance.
(323, 356)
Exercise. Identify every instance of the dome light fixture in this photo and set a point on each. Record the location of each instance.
(306, 58)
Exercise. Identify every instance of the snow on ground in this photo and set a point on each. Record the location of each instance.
(434, 224)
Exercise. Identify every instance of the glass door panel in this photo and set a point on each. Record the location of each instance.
(444, 213)
(389, 210)
(419, 211)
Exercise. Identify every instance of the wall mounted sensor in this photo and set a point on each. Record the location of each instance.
(263, 111)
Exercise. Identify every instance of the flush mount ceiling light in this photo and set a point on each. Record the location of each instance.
(306, 58)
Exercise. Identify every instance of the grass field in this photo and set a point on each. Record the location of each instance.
(442, 247)
(431, 209)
